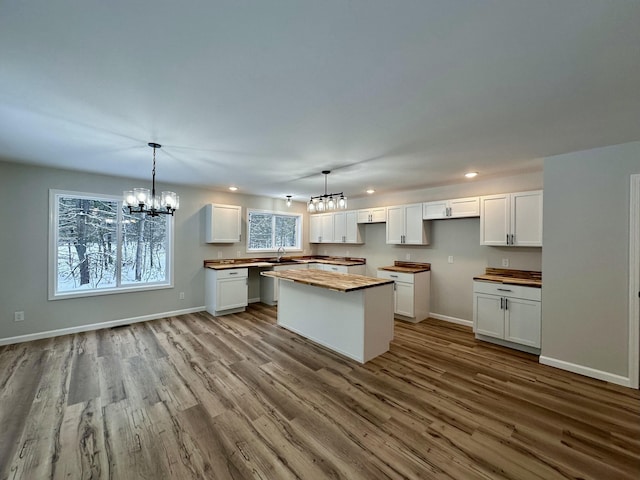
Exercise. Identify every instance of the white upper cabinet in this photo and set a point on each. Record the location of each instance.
(321, 228)
(345, 227)
(223, 223)
(372, 215)
(456, 208)
(405, 225)
(511, 219)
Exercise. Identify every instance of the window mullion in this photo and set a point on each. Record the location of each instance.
(273, 231)
(119, 221)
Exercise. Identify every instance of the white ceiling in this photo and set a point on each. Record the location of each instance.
(264, 94)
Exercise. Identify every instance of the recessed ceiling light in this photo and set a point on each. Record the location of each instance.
(370, 191)
(471, 174)
(233, 189)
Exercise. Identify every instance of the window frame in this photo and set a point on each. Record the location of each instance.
(299, 224)
(54, 195)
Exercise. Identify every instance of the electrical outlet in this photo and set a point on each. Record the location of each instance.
(181, 296)
(450, 259)
(18, 317)
(505, 262)
(408, 256)
(219, 254)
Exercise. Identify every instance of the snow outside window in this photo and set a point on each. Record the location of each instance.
(97, 247)
(269, 230)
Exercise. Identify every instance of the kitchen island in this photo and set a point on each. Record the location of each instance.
(350, 314)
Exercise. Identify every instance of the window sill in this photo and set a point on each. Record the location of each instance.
(109, 291)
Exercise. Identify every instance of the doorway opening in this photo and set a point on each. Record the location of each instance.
(634, 282)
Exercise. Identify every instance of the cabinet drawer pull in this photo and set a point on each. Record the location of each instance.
(233, 273)
(504, 290)
(393, 276)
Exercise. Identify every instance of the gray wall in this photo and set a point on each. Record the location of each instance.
(24, 194)
(585, 261)
(451, 284)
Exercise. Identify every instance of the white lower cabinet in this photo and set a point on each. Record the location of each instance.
(327, 267)
(411, 294)
(226, 291)
(509, 313)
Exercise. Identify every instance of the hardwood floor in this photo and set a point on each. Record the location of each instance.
(237, 397)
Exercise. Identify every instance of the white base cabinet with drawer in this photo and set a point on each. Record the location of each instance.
(355, 269)
(411, 294)
(270, 287)
(509, 315)
(226, 291)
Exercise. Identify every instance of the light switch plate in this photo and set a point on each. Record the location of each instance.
(450, 259)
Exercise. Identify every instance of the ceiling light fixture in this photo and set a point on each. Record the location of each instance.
(471, 174)
(370, 191)
(140, 200)
(233, 189)
(328, 201)
(288, 200)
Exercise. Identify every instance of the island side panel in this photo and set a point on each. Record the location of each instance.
(379, 323)
(332, 319)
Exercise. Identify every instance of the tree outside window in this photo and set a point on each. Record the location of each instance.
(98, 247)
(269, 230)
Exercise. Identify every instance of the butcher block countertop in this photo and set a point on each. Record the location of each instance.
(226, 263)
(341, 282)
(525, 278)
(407, 267)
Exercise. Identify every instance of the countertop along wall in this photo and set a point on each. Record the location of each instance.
(451, 284)
(24, 191)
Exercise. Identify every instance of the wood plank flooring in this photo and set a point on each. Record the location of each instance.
(237, 397)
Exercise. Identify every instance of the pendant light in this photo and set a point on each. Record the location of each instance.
(141, 200)
(327, 201)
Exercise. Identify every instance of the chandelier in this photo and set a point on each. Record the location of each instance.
(141, 200)
(328, 201)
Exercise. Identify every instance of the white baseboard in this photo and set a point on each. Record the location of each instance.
(254, 300)
(459, 321)
(586, 371)
(96, 326)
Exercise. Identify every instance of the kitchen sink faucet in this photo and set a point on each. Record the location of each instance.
(280, 252)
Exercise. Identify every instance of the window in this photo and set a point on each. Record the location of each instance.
(269, 230)
(97, 247)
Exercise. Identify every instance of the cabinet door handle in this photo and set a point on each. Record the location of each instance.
(501, 303)
(506, 304)
(513, 239)
(504, 290)
(507, 239)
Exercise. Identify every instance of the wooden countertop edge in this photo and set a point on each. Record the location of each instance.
(375, 282)
(405, 269)
(212, 264)
(509, 281)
